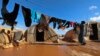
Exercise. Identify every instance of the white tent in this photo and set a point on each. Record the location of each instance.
(49, 35)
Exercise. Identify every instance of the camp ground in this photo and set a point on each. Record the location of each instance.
(49, 28)
(51, 49)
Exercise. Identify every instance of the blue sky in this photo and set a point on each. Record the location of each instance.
(72, 10)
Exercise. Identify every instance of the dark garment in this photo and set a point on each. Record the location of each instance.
(59, 26)
(57, 21)
(75, 26)
(54, 20)
(10, 17)
(54, 25)
(61, 23)
(72, 24)
(67, 24)
(39, 36)
(0, 17)
(5, 3)
(81, 35)
(27, 16)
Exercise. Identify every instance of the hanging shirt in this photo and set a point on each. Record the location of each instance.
(10, 17)
(27, 16)
(67, 23)
(35, 16)
(54, 20)
(72, 24)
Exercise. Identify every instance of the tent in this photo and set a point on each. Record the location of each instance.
(48, 36)
(94, 31)
(18, 35)
(70, 36)
(3, 37)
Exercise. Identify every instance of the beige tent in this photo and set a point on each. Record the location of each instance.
(49, 35)
(93, 28)
(3, 37)
(70, 36)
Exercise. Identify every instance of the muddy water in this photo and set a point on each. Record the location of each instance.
(33, 50)
(91, 49)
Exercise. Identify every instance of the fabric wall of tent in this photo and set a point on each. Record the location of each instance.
(15, 35)
(18, 35)
(49, 35)
(3, 37)
(94, 30)
(70, 36)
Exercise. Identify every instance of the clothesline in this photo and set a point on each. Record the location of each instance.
(30, 16)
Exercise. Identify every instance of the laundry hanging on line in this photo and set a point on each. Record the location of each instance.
(27, 16)
(61, 23)
(35, 16)
(9, 17)
(31, 16)
(5, 3)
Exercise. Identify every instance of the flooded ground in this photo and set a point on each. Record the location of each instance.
(70, 49)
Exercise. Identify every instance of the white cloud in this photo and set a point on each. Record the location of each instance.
(96, 18)
(93, 7)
